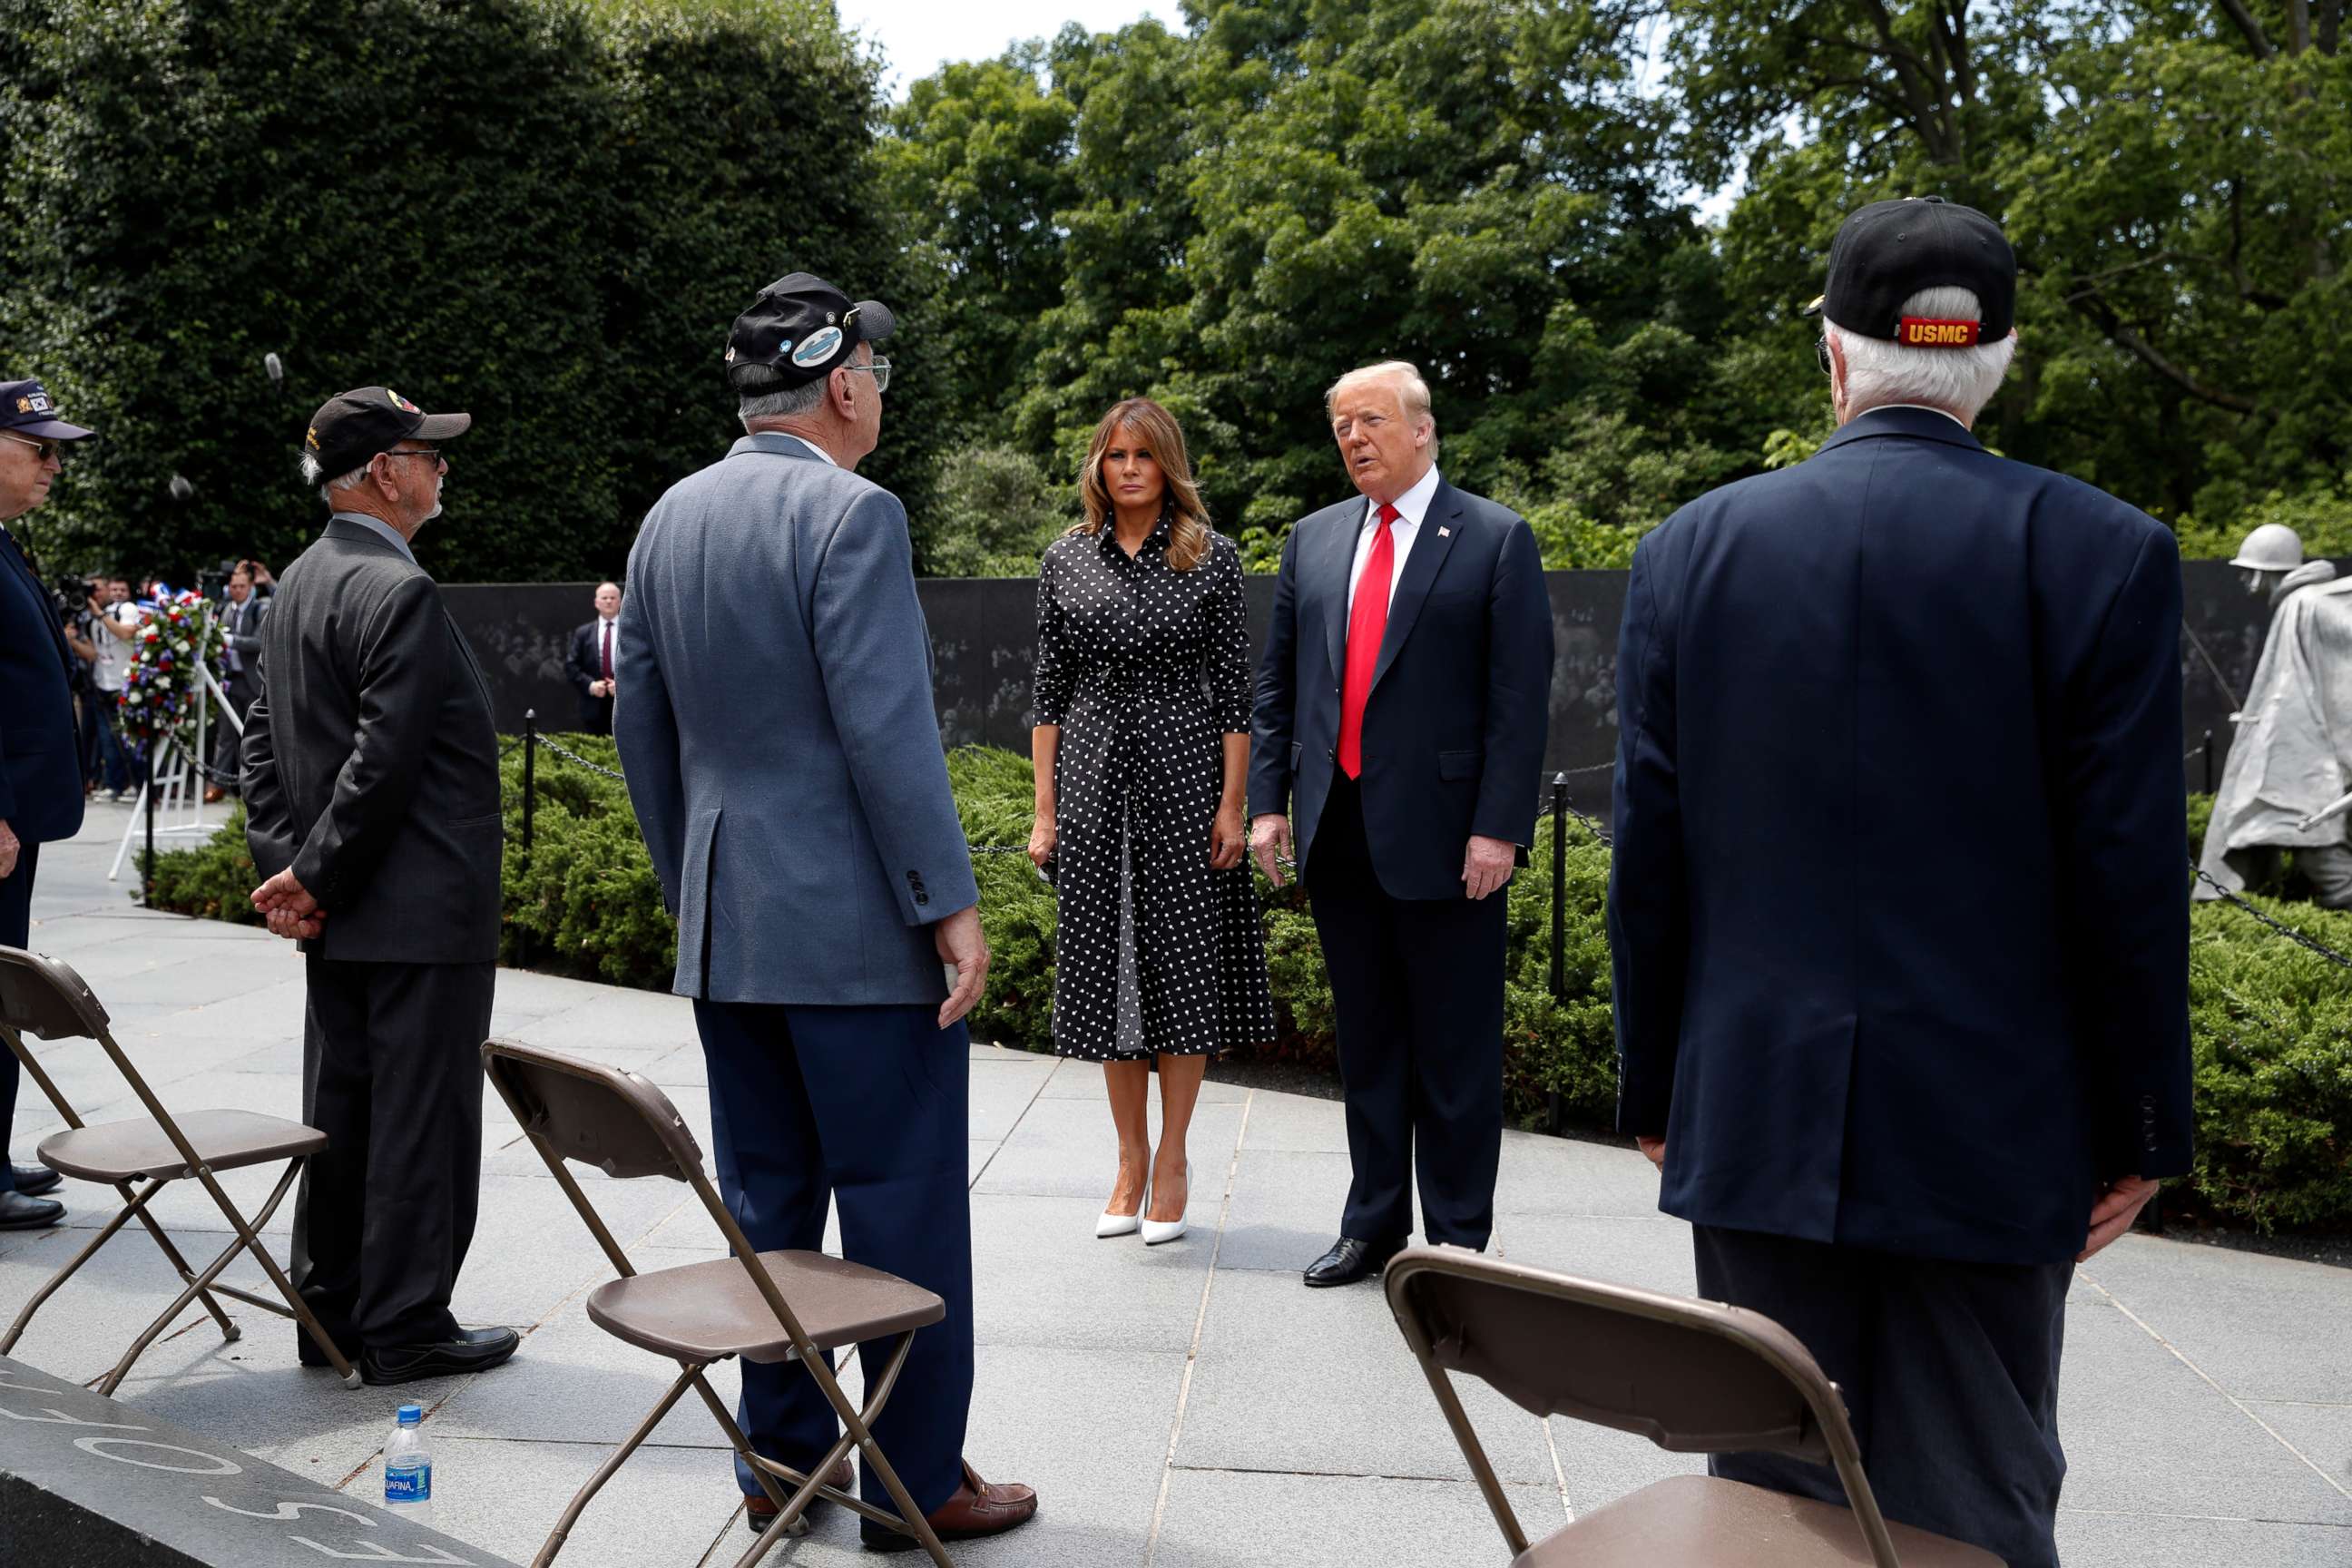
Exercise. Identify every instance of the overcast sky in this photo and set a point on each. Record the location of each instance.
(917, 35)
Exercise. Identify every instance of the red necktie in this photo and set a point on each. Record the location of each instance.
(604, 661)
(1368, 622)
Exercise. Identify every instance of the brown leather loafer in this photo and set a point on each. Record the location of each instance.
(978, 1508)
(758, 1511)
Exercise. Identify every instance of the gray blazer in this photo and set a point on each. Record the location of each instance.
(370, 762)
(776, 725)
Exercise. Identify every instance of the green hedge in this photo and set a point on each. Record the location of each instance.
(2273, 1023)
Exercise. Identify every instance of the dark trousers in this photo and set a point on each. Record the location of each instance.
(15, 931)
(1949, 1371)
(226, 740)
(596, 718)
(867, 1107)
(1417, 986)
(392, 1074)
(118, 763)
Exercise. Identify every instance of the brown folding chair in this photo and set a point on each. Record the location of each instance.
(1691, 1376)
(765, 1307)
(43, 997)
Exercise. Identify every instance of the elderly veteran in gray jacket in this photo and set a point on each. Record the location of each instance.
(796, 805)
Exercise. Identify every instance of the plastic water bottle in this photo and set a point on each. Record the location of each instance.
(408, 1469)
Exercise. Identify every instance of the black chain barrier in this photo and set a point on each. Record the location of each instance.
(2299, 938)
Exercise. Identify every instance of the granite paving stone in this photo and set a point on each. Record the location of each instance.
(1067, 1148)
(1034, 1284)
(2087, 1540)
(1228, 1518)
(1286, 1206)
(2261, 1327)
(2322, 1434)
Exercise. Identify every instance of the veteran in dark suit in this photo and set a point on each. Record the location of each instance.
(1403, 697)
(372, 796)
(40, 747)
(1899, 905)
(806, 838)
(592, 661)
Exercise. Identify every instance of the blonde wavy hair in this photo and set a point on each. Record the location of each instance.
(1157, 430)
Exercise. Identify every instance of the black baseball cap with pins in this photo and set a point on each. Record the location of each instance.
(800, 328)
(350, 428)
(1889, 251)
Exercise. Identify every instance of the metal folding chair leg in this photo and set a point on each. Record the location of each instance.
(171, 1256)
(619, 1456)
(136, 1205)
(858, 1431)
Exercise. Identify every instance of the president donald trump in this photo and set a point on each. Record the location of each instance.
(1402, 702)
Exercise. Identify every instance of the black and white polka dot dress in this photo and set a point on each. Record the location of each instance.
(1146, 670)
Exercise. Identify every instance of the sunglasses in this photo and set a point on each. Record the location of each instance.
(48, 449)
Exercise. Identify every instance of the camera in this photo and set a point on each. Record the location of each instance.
(212, 581)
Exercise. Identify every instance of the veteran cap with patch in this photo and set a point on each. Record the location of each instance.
(350, 429)
(25, 410)
(800, 328)
(1890, 251)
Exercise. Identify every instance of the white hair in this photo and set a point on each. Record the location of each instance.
(314, 477)
(782, 402)
(1412, 391)
(1960, 381)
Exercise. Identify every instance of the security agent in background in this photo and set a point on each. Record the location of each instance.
(592, 660)
(371, 797)
(40, 751)
(1898, 1080)
(240, 614)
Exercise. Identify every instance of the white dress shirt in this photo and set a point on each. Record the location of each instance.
(1411, 506)
(608, 627)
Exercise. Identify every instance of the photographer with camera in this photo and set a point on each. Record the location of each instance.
(40, 794)
(114, 631)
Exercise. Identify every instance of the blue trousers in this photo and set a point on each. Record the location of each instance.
(1950, 1373)
(867, 1107)
(15, 931)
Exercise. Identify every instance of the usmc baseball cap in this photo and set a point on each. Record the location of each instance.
(25, 410)
(1889, 251)
(350, 429)
(800, 328)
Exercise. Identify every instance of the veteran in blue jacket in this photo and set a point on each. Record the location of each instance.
(776, 720)
(1899, 905)
(40, 749)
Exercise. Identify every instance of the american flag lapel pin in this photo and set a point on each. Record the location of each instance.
(1444, 534)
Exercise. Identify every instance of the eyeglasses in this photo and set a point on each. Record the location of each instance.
(1821, 353)
(878, 368)
(414, 452)
(48, 449)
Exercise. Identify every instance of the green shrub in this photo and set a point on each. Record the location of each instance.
(2271, 1022)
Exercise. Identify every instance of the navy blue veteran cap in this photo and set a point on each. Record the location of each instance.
(1888, 252)
(350, 428)
(25, 410)
(800, 328)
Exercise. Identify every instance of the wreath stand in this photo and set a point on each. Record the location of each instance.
(177, 792)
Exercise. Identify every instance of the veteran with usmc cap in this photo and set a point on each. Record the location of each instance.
(371, 783)
(799, 818)
(40, 750)
(1898, 911)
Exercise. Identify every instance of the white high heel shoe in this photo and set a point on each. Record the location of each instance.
(1108, 1224)
(1155, 1231)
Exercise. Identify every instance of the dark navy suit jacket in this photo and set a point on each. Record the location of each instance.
(1899, 906)
(1454, 729)
(40, 757)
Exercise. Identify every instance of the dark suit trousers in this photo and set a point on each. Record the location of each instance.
(1417, 987)
(1950, 1373)
(15, 931)
(866, 1107)
(392, 1074)
(596, 718)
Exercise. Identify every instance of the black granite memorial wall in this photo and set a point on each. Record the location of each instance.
(983, 637)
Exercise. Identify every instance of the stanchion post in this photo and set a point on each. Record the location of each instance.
(530, 808)
(147, 868)
(2208, 749)
(1554, 1114)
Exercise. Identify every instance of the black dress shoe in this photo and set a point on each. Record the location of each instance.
(18, 1212)
(1350, 1260)
(307, 1352)
(33, 1180)
(474, 1350)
